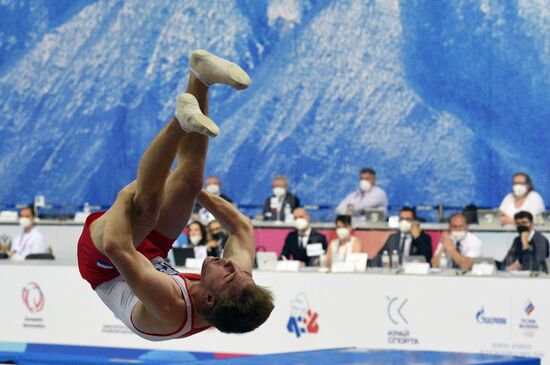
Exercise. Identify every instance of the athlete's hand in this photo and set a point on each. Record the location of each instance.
(447, 242)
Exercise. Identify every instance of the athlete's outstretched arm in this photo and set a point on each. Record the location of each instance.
(241, 246)
(138, 272)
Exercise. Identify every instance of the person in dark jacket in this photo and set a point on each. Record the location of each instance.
(530, 248)
(281, 203)
(304, 243)
(411, 240)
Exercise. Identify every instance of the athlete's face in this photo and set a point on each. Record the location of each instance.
(220, 275)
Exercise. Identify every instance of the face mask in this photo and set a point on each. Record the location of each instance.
(365, 185)
(342, 233)
(300, 224)
(405, 226)
(458, 235)
(195, 239)
(522, 229)
(219, 236)
(213, 189)
(519, 190)
(25, 222)
(279, 191)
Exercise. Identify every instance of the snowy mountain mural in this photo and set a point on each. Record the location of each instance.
(446, 100)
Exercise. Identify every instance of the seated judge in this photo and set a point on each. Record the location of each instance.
(411, 240)
(304, 243)
(530, 248)
(459, 245)
(340, 248)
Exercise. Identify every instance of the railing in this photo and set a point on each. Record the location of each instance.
(318, 212)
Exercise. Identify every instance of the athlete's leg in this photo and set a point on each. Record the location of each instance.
(185, 182)
(154, 167)
(153, 170)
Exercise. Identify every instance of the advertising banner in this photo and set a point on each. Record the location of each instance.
(52, 304)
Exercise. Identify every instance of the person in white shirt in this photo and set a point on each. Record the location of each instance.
(29, 240)
(367, 196)
(522, 198)
(340, 248)
(458, 245)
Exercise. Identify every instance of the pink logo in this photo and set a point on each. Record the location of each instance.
(33, 297)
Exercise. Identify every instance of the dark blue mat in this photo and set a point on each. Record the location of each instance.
(34, 354)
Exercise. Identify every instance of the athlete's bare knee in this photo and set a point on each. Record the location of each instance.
(188, 187)
(186, 181)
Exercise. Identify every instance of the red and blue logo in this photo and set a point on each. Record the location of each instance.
(529, 308)
(33, 297)
(302, 319)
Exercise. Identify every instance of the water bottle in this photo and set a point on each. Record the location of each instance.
(289, 218)
(394, 259)
(385, 260)
(443, 261)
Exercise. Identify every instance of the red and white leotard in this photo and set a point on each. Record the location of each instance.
(115, 292)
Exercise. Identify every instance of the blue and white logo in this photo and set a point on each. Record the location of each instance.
(484, 319)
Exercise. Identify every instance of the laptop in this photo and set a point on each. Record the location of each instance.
(414, 259)
(375, 216)
(181, 254)
(266, 261)
(488, 217)
(359, 261)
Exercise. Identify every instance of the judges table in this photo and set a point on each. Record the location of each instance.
(270, 236)
(51, 304)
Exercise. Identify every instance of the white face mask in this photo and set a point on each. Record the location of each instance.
(300, 224)
(25, 222)
(213, 189)
(279, 191)
(195, 239)
(405, 226)
(365, 185)
(342, 233)
(519, 190)
(458, 235)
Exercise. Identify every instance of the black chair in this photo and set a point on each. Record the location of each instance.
(470, 214)
(40, 256)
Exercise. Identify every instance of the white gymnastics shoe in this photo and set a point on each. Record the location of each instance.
(212, 69)
(191, 118)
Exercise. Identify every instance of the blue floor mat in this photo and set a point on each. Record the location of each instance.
(34, 354)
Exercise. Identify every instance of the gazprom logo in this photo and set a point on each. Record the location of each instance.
(483, 319)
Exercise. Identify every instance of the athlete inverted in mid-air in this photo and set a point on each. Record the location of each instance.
(122, 252)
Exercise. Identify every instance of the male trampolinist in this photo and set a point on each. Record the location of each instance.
(122, 252)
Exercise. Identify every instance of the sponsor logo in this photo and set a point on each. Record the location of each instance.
(481, 318)
(528, 308)
(529, 324)
(33, 297)
(395, 311)
(303, 319)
